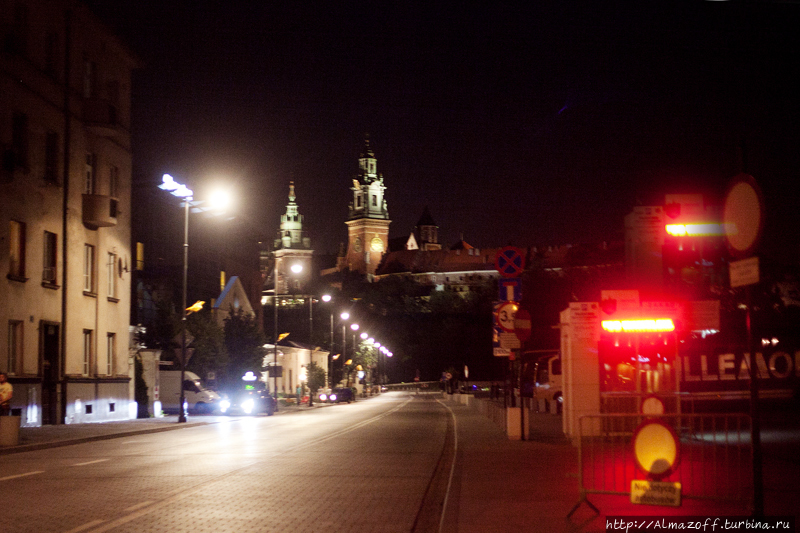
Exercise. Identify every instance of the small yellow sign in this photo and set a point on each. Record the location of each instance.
(655, 493)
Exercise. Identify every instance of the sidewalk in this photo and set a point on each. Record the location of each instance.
(504, 485)
(38, 438)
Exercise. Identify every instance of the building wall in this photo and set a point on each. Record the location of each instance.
(60, 54)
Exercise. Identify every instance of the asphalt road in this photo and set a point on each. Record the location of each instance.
(367, 467)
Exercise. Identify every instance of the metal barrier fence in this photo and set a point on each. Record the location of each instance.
(631, 402)
(715, 460)
(421, 386)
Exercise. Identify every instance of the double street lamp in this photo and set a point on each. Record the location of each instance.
(183, 192)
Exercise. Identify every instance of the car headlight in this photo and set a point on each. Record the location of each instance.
(323, 397)
(248, 406)
(224, 405)
(333, 397)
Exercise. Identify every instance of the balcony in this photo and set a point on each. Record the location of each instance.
(99, 211)
(100, 117)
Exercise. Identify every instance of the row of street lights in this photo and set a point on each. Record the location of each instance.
(217, 203)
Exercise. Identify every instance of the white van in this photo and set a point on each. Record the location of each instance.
(198, 399)
(549, 389)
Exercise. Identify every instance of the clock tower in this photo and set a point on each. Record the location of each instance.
(368, 220)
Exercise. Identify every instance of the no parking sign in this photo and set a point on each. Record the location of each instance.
(509, 262)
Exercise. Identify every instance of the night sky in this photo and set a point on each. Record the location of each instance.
(515, 123)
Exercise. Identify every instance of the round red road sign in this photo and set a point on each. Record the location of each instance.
(522, 325)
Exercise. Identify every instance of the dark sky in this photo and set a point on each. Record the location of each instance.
(516, 123)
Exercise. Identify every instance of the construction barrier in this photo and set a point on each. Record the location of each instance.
(714, 461)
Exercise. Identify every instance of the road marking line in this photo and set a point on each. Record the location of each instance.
(22, 475)
(139, 505)
(90, 462)
(186, 492)
(86, 526)
(452, 465)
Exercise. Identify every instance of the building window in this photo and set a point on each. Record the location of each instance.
(110, 350)
(51, 53)
(17, 36)
(50, 256)
(89, 78)
(88, 268)
(112, 278)
(374, 200)
(19, 140)
(87, 351)
(113, 182)
(139, 256)
(15, 346)
(89, 174)
(51, 157)
(16, 265)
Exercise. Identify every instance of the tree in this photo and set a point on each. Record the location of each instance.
(316, 376)
(210, 352)
(164, 326)
(244, 343)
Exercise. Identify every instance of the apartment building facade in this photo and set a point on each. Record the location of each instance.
(65, 213)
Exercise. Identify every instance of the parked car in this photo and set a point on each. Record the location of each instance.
(248, 398)
(341, 394)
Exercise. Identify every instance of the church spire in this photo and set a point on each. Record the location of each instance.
(291, 234)
(368, 188)
(368, 221)
(367, 163)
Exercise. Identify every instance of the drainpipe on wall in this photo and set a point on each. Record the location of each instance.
(64, 216)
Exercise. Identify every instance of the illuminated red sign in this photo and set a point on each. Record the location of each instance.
(639, 325)
(695, 230)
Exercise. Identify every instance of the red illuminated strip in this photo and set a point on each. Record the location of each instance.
(645, 324)
(694, 230)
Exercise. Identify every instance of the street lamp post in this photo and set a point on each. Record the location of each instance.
(354, 327)
(183, 192)
(275, 331)
(327, 298)
(344, 316)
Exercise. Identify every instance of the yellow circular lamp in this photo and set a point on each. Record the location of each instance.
(656, 449)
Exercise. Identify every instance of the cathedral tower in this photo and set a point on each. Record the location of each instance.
(368, 220)
(292, 251)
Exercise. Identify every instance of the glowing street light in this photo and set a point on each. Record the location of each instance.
(180, 190)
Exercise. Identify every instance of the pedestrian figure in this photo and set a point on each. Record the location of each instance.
(6, 393)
